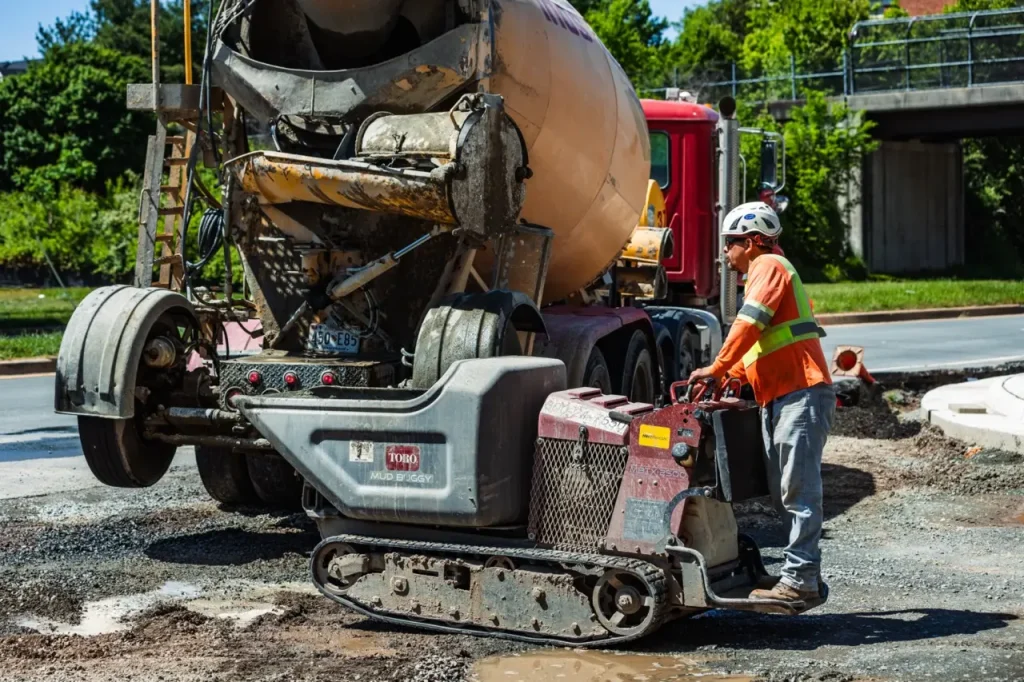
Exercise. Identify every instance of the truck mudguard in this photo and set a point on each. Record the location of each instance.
(102, 346)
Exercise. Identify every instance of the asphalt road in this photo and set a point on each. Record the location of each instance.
(933, 344)
(29, 429)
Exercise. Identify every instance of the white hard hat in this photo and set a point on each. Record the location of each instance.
(755, 216)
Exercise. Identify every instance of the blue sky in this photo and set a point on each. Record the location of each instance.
(21, 17)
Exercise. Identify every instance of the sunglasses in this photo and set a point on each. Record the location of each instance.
(733, 241)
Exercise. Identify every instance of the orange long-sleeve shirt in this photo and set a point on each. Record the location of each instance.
(770, 300)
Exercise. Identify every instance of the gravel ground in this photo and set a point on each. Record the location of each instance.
(922, 552)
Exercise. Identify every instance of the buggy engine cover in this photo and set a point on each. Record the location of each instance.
(456, 454)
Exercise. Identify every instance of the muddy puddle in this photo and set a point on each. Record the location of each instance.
(115, 614)
(593, 666)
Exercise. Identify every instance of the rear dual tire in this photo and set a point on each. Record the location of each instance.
(235, 478)
(637, 379)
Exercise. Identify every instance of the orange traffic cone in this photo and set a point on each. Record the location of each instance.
(848, 361)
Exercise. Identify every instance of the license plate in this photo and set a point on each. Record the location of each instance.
(328, 339)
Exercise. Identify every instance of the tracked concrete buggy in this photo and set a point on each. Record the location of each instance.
(439, 509)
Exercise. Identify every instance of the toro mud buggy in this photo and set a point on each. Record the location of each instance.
(441, 510)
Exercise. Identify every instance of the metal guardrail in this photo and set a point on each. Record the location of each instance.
(966, 49)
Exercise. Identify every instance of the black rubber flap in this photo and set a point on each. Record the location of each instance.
(739, 455)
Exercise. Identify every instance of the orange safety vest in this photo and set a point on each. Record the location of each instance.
(779, 335)
(787, 355)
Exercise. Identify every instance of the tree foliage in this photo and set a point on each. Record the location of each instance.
(64, 121)
(712, 34)
(632, 33)
(124, 26)
(80, 231)
(813, 31)
(825, 145)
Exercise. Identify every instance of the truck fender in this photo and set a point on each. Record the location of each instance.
(102, 346)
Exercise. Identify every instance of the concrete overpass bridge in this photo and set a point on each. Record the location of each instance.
(927, 83)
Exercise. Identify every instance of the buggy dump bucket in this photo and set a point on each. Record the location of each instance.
(413, 456)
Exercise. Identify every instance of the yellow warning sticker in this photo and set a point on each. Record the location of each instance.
(655, 436)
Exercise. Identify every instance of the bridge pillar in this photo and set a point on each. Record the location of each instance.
(910, 216)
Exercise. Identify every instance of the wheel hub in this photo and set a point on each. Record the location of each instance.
(623, 603)
(628, 600)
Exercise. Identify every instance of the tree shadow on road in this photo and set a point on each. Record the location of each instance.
(735, 630)
(233, 546)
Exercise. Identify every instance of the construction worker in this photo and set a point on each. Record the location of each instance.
(774, 346)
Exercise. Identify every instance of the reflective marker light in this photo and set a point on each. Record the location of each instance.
(291, 379)
(255, 377)
(233, 395)
(327, 378)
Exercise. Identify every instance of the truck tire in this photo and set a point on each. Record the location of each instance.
(690, 357)
(464, 331)
(637, 381)
(275, 481)
(597, 374)
(225, 475)
(117, 455)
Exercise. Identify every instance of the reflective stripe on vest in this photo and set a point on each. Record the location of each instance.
(803, 328)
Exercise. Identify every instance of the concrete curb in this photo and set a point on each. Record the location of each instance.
(834, 319)
(988, 413)
(11, 368)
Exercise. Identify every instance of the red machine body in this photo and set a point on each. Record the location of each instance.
(632, 469)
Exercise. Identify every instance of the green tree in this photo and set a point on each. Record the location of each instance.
(62, 226)
(815, 32)
(825, 145)
(994, 197)
(631, 32)
(712, 35)
(64, 121)
(78, 230)
(124, 26)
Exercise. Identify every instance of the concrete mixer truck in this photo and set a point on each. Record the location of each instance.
(476, 294)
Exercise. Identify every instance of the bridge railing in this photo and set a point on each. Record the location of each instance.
(959, 50)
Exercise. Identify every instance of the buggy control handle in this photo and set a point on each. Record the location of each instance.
(688, 397)
(731, 388)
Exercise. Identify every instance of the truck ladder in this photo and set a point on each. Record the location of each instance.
(163, 196)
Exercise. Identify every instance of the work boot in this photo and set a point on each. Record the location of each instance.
(766, 582)
(783, 592)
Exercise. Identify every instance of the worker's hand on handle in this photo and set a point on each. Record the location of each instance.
(700, 375)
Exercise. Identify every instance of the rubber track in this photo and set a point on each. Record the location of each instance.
(653, 576)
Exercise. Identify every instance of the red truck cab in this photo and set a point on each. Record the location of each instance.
(683, 162)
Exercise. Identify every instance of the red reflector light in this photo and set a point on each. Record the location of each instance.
(233, 395)
(255, 377)
(291, 379)
(328, 378)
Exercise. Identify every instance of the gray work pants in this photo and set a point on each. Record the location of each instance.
(795, 427)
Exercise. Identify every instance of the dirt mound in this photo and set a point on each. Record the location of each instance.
(44, 595)
(165, 619)
(877, 415)
(880, 444)
(856, 467)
